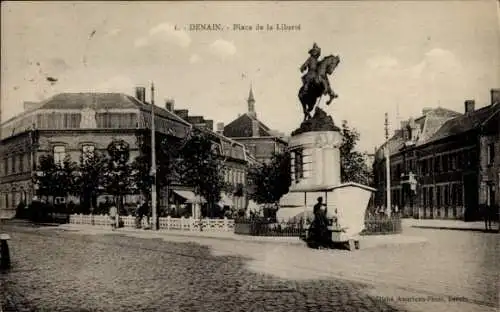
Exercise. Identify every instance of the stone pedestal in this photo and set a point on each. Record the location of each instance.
(315, 159)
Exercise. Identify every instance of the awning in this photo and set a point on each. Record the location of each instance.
(225, 200)
(190, 197)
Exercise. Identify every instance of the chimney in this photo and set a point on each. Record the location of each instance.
(251, 104)
(220, 127)
(140, 94)
(169, 104)
(209, 124)
(255, 128)
(469, 106)
(426, 110)
(495, 96)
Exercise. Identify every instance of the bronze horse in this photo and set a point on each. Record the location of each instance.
(313, 89)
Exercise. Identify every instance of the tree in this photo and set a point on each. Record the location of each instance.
(117, 176)
(91, 177)
(167, 153)
(353, 166)
(56, 179)
(270, 181)
(201, 168)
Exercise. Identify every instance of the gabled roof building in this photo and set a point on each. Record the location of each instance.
(259, 139)
(70, 123)
(444, 164)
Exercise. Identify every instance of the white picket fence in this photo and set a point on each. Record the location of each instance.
(167, 223)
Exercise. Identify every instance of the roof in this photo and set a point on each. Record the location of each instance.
(433, 121)
(82, 100)
(98, 102)
(230, 147)
(465, 122)
(428, 124)
(79, 101)
(241, 127)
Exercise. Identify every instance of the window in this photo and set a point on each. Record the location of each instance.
(445, 159)
(59, 154)
(446, 195)
(299, 166)
(453, 161)
(27, 163)
(460, 159)
(87, 151)
(439, 199)
(491, 154)
(431, 197)
(424, 197)
(21, 163)
(459, 195)
(453, 193)
(13, 167)
(6, 166)
(490, 194)
(252, 149)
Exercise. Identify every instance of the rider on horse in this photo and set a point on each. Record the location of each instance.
(311, 65)
(315, 82)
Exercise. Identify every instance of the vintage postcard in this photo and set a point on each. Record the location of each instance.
(249, 156)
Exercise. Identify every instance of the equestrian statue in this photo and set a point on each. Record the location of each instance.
(315, 82)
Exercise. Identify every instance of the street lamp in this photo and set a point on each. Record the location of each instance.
(153, 160)
(387, 166)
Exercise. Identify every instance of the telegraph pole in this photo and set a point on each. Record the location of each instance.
(153, 159)
(387, 166)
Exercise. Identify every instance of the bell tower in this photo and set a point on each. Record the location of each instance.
(251, 103)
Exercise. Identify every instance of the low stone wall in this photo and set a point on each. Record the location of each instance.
(166, 223)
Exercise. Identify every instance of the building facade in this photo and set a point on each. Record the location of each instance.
(73, 123)
(444, 165)
(235, 156)
(260, 141)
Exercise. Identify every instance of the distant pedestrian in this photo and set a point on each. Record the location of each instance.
(113, 212)
(138, 215)
(489, 213)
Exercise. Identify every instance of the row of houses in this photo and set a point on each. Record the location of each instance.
(444, 164)
(73, 123)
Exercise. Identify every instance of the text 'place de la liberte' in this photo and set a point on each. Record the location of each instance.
(281, 27)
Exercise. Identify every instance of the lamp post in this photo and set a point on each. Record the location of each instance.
(153, 160)
(387, 166)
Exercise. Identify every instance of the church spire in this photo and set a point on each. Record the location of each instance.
(251, 103)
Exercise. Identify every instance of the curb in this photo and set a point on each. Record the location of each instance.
(454, 228)
(243, 238)
(250, 239)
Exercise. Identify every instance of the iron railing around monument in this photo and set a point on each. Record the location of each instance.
(267, 227)
(374, 225)
(382, 224)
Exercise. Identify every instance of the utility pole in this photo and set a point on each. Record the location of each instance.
(153, 160)
(387, 166)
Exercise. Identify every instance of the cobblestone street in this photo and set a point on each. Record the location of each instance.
(56, 270)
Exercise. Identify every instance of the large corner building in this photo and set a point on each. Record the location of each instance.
(444, 164)
(72, 123)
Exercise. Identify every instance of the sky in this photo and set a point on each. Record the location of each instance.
(396, 56)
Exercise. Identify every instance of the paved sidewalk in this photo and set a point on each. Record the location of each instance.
(457, 225)
(370, 241)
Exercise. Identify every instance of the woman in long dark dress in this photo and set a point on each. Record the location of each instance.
(319, 226)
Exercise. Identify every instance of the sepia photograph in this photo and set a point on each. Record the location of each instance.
(280, 156)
